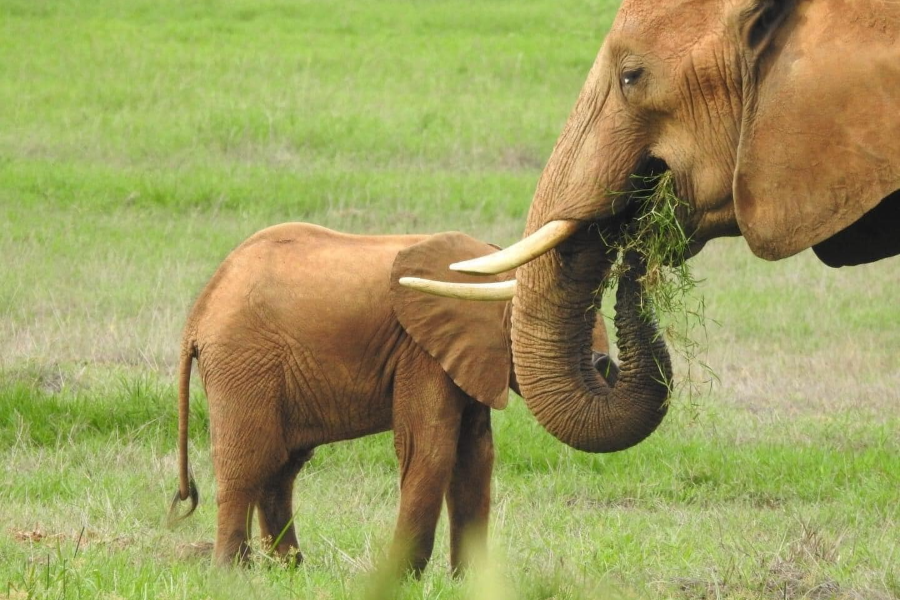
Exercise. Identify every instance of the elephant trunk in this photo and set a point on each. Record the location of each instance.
(552, 322)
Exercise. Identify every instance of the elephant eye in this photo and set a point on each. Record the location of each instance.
(631, 76)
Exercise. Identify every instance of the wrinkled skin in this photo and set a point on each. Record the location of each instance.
(779, 122)
(303, 337)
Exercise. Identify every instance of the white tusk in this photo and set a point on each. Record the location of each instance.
(547, 237)
(501, 290)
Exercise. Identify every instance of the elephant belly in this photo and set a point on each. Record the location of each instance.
(333, 400)
(290, 394)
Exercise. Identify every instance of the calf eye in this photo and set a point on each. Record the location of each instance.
(631, 76)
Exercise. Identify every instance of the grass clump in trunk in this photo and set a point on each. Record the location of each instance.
(655, 233)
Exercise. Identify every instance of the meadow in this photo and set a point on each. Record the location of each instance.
(141, 141)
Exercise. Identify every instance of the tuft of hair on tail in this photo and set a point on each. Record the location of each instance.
(173, 518)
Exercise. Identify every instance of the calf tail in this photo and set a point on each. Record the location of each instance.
(187, 488)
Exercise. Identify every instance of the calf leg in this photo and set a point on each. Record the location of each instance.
(248, 450)
(469, 494)
(427, 412)
(235, 513)
(276, 522)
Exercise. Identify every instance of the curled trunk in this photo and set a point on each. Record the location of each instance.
(551, 340)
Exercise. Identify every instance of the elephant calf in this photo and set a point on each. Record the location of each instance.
(304, 337)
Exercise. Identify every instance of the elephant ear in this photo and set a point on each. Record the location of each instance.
(470, 339)
(820, 137)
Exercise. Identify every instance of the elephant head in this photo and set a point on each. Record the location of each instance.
(779, 121)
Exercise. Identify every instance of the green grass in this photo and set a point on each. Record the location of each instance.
(752, 506)
(141, 141)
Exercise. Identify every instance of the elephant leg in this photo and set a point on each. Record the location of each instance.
(276, 521)
(248, 450)
(427, 412)
(235, 515)
(469, 494)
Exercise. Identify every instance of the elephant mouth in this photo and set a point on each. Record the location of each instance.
(644, 198)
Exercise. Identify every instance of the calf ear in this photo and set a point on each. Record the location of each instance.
(820, 138)
(470, 339)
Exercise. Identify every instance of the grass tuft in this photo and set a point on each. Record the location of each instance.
(658, 237)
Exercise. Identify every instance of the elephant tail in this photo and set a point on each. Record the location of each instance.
(187, 488)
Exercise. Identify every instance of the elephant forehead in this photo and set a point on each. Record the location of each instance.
(669, 27)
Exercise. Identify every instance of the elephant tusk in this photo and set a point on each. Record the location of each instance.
(546, 238)
(501, 290)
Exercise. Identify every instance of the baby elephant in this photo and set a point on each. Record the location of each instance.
(304, 337)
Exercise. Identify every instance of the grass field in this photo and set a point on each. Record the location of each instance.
(140, 141)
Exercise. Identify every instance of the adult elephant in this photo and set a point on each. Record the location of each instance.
(779, 120)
